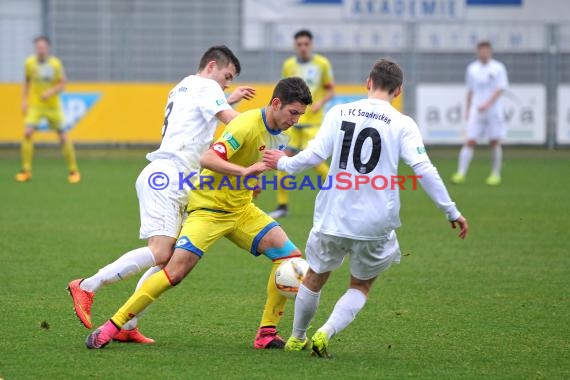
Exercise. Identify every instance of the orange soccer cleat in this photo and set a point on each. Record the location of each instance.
(23, 176)
(74, 177)
(82, 301)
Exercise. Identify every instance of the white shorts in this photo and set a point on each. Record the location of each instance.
(368, 258)
(161, 209)
(487, 124)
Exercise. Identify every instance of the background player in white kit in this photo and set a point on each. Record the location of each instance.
(486, 80)
(193, 109)
(366, 137)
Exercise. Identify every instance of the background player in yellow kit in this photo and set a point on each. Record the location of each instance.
(223, 207)
(44, 81)
(317, 72)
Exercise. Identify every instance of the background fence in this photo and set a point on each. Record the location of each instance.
(161, 41)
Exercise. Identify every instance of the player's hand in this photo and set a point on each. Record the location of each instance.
(256, 169)
(483, 107)
(256, 191)
(316, 106)
(46, 94)
(242, 92)
(462, 223)
(24, 106)
(271, 157)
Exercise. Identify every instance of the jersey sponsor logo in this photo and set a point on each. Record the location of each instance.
(220, 150)
(421, 149)
(231, 140)
(220, 101)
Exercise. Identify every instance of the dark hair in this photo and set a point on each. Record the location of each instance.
(484, 44)
(290, 90)
(222, 55)
(303, 33)
(42, 38)
(386, 75)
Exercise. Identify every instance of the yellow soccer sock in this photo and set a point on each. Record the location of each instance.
(69, 156)
(275, 304)
(27, 152)
(322, 169)
(150, 290)
(282, 194)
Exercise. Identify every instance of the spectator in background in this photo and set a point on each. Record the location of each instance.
(486, 80)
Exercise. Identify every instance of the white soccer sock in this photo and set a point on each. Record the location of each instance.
(497, 157)
(344, 312)
(133, 322)
(130, 263)
(305, 307)
(465, 156)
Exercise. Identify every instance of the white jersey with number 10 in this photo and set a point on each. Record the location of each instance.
(365, 138)
(190, 121)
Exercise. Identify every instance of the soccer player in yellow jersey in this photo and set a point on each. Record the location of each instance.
(317, 72)
(222, 207)
(44, 80)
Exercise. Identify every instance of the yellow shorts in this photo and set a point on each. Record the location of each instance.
(245, 229)
(53, 116)
(300, 136)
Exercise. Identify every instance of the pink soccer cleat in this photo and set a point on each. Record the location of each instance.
(267, 338)
(102, 336)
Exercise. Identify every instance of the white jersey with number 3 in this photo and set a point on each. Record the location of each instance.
(365, 138)
(190, 121)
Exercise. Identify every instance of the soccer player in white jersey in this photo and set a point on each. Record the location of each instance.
(486, 80)
(366, 139)
(193, 109)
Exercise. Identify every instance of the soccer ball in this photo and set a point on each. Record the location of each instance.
(289, 276)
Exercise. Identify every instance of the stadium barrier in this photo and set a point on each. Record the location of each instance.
(122, 113)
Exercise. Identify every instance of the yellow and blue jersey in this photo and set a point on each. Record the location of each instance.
(318, 74)
(42, 76)
(242, 142)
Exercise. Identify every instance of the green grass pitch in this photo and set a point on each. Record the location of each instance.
(495, 306)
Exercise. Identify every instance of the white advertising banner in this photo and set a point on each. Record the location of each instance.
(563, 122)
(385, 25)
(455, 37)
(440, 110)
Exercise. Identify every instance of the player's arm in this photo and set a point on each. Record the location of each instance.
(213, 159)
(329, 94)
(413, 153)
(316, 152)
(277, 159)
(468, 103)
(469, 99)
(226, 116)
(433, 185)
(59, 84)
(25, 93)
(242, 92)
(492, 99)
(328, 87)
(502, 84)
